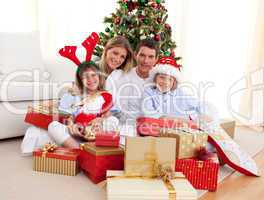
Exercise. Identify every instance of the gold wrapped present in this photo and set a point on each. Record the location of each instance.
(47, 107)
(120, 187)
(143, 153)
(56, 160)
(187, 141)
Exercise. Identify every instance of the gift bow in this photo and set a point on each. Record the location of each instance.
(49, 147)
(152, 168)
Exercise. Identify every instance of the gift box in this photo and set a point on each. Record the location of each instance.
(60, 161)
(94, 160)
(188, 141)
(44, 113)
(142, 153)
(147, 126)
(110, 139)
(201, 174)
(121, 187)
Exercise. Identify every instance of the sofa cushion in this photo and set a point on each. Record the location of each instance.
(20, 51)
(28, 91)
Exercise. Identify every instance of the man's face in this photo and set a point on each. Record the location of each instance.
(146, 59)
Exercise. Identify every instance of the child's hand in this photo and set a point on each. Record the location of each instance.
(76, 130)
(97, 124)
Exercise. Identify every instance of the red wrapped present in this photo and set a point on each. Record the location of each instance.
(41, 116)
(147, 126)
(57, 160)
(110, 139)
(201, 174)
(95, 161)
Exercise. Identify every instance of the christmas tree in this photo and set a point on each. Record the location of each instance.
(137, 20)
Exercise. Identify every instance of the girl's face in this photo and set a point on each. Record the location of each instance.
(165, 82)
(90, 80)
(115, 57)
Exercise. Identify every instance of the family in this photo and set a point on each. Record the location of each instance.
(113, 92)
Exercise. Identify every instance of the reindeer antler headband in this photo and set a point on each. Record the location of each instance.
(89, 44)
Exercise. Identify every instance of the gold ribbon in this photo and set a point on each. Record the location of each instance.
(151, 168)
(49, 147)
(167, 183)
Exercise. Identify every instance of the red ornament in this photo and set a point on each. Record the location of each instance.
(167, 26)
(159, 20)
(157, 37)
(117, 20)
(154, 5)
(141, 17)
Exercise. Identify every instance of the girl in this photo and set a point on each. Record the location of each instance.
(89, 108)
(165, 99)
(93, 109)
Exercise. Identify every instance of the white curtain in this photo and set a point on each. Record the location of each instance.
(216, 38)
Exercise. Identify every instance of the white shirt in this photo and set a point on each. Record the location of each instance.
(127, 89)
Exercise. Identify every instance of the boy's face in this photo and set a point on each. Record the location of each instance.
(165, 82)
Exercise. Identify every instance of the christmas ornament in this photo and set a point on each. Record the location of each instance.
(117, 20)
(154, 5)
(167, 53)
(167, 26)
(146, 21)
(158, 1)
(157, 37)
(107, 29)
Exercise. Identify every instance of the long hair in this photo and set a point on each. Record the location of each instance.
(118, 41)
(79, 76)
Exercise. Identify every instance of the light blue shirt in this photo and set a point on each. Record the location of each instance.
(171, 104)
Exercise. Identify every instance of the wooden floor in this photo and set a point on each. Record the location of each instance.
(240, 187)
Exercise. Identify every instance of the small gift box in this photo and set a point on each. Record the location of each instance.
(110, 139)
(44, 113)
(94, 160)
(143, 153)
(120, 187)
(188, 141)
(58, 160)
(201, 174)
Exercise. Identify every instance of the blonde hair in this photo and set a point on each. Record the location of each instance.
(118, 41)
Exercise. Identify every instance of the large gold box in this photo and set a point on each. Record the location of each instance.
(187, 142)
(142, 153)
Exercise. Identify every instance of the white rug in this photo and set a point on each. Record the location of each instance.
(19, 182)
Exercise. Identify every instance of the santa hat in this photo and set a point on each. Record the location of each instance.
(168, 66)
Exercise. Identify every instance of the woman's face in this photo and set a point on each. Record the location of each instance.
(165, 82)
(115, 57)
(90, 80)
